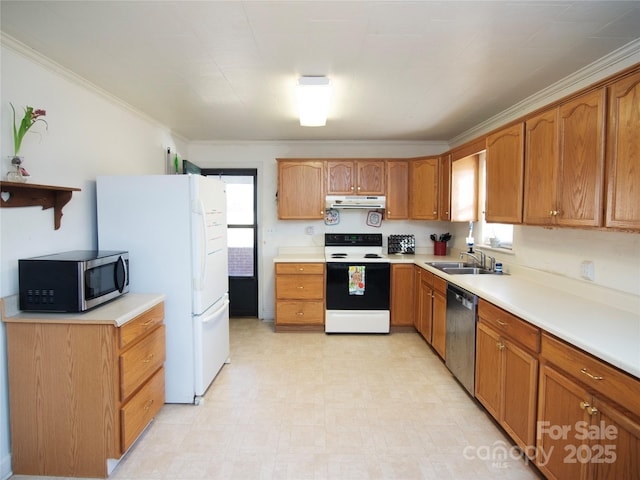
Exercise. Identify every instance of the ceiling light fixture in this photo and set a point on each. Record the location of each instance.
(314, 94)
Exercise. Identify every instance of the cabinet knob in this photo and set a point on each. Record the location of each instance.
(352, 188)
(300, 314)
(500, 345)
(435, 212)
(301, 269)
(148, 359)
(358, 188)
(592, 410)
(300, 287)
(584, 405)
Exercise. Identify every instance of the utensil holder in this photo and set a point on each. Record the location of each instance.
(440, 248)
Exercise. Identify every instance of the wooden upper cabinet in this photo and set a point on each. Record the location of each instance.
(397, 190)
(444, 188)
(300, 192)
(355, 177)
(541, 159)
(564, 164)
(464, 189)
(505, 175)
(623, 154)
(581, 167)
(423, 188)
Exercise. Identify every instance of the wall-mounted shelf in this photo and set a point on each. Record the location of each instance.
(30, 194)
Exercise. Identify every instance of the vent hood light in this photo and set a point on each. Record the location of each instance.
(314, 94)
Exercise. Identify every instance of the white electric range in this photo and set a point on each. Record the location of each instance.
(357, 283)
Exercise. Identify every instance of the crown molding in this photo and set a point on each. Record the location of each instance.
(32, 54)
(610, 64)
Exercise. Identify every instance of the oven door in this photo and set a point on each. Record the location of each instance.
(370, 294)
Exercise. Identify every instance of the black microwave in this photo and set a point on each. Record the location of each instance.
(72, 281)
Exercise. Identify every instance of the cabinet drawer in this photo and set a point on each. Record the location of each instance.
(140, 361)
(299, 268)
(509, 325)
(136, 414)
(140, 325)
(300, 312)
(439, 284)
(595, 374)
(300, 287)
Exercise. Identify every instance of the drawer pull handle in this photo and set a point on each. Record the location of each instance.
(300, 288)
(301, 269)
(300, 314)
(502, 324)
(590, 375)
(147, 323)
(148, 405)
(148, 359)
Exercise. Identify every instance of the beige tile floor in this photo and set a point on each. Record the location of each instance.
(316, 406)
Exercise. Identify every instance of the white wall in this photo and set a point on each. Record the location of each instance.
(88, 135)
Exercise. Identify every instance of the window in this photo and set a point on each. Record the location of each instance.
(496, 235)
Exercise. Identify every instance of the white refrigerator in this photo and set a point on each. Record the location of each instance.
(174, 228)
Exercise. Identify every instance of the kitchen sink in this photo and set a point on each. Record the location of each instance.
(466, 271)
(460, 268)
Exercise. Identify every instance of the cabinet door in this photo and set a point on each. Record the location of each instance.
(518, 415)
(541, 159)
(426, 309)
(417, 296)
(402, 295)
(341, 177)
(581, 162)
(488, 369)
(439, 318)
(397, 190)
(423, 189)
(444, 188)
(370, 180)
(615, 450)
(505, 175)
(560, 409)
(300, 192)
(623, 154)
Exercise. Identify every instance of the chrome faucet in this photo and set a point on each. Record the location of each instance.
(482, 261)
(479, 261)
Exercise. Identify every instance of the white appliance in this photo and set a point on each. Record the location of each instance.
(175, 230)
(351, 308)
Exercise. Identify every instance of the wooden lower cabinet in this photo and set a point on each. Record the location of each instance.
(507, 372)
(402, 292)
(439, 316)
(80, 393)
(424, 313)
(588, 417)
(299, 296)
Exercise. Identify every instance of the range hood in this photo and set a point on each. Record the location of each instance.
(355, 201)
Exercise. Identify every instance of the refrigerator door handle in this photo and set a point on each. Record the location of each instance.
(209, 317)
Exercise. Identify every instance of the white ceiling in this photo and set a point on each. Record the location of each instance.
(401, 70)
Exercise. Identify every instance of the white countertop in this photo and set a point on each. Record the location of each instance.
(117, 312)
(598, 327)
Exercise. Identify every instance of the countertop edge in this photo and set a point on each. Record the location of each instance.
(116, 312)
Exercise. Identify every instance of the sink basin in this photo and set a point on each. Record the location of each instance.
(441, 265)
(460, 268)
(466, 271)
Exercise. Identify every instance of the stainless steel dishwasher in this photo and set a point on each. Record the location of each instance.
(460, 356)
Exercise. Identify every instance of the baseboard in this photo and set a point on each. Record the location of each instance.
(5, 467)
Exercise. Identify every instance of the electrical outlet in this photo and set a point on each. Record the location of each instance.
(587, 270)
(310, 230)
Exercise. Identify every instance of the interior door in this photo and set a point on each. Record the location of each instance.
(242, 238)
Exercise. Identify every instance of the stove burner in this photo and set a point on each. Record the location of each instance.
(372, 255)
